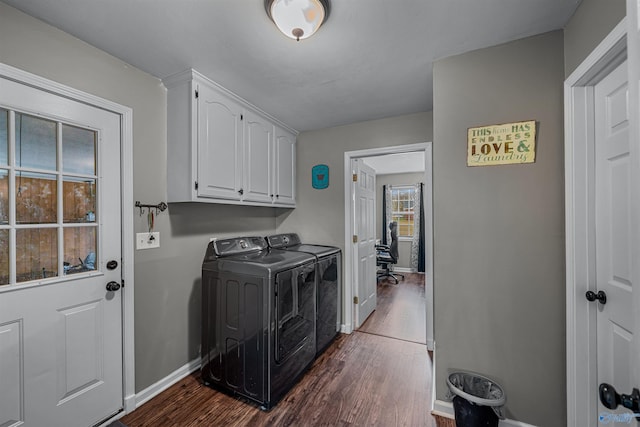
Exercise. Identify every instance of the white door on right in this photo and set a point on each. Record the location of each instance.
(364, 225)
(614, 285)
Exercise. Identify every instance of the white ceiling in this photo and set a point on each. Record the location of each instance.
(371, 59)
(397, 163)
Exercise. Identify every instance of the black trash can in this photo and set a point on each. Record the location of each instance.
(477, 400)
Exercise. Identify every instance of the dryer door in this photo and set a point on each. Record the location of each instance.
(328, 292)
(295, 296)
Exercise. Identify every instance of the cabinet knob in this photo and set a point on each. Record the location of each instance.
(277, 196)
(241, 191)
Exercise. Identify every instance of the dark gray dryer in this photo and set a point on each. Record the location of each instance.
(329, 284)
(258, 318)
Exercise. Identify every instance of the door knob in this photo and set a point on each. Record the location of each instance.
(113, 286)
(600, 296)
(611, 399)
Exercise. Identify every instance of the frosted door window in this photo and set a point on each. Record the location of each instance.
(4, 257)
(36, 254)
(78, 150)
(4, 196)
(79, 200)
(4, 136)
(36, 198)
(36, 145)
(79, 249)
(49, 222)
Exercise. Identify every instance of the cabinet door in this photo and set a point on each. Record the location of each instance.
(285, 173)
(258, 158)
(219, 145)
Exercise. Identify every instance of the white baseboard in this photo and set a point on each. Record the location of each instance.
(155, 389)
(402, 270)
(445, 409)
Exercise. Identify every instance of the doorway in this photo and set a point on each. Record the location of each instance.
(351, 261)
(66, 328)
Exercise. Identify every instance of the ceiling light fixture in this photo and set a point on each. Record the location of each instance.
(297, 19)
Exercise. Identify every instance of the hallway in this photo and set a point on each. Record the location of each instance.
(400, 313)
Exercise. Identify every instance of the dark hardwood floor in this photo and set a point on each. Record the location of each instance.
(401, 309)
(363, 379)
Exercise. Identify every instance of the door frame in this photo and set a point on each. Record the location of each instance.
(579, 222)
(126, 172)
(350, 288)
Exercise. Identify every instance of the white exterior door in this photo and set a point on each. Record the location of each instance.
(615, 329)
(60, 226)
(364, 225)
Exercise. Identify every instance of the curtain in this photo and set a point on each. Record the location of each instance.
(421, 245)
(387, 214)
(417, 241)
(384, 215)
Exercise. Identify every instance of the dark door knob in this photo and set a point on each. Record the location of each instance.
(241, 191)
(600, 296)
(113, 286)
(611, 399)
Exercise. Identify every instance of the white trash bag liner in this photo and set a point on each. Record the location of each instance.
(477, 389)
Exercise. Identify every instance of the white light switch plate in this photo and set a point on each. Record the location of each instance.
(148, 240)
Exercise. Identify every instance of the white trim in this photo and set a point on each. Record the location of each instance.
(158, 387)
(349, 290)
(444, 409)
(126, 121)
(581, 344)
(428, 241)
(128, 263)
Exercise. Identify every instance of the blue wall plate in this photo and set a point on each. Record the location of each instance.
(320, 176)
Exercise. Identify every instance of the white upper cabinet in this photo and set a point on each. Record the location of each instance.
(258, 165)
(221, 149)
(219, 146)
(285, 154)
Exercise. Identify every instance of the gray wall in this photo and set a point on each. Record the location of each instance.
(167, 280)
(590, 24)
(404, 246)
(499, 230)
(319, 216)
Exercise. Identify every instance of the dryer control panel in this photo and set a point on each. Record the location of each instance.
(238, 245)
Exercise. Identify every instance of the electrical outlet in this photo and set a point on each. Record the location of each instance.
(148, 240)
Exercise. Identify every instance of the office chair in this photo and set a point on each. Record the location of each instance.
(386, 256)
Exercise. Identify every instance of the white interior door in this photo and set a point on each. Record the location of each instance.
(633, 52)
(364, 226)
(615, 323)
(60, 226)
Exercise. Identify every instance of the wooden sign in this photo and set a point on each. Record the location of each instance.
(502, 144)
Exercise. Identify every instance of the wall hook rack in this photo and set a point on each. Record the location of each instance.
(160, 207)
